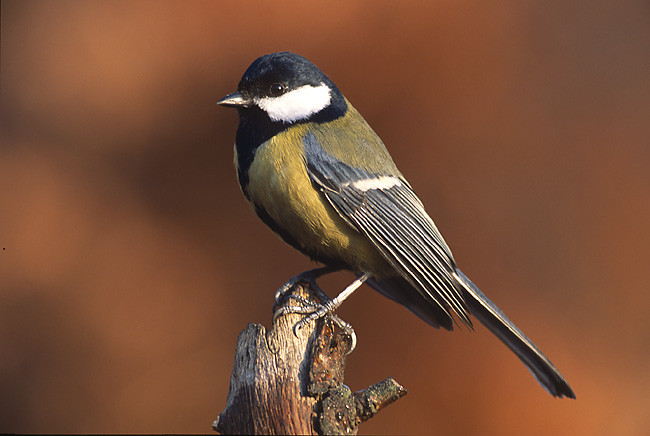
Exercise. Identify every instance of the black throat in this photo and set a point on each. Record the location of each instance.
(255, 128)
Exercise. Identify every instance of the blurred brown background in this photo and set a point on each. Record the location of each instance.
(130, 261)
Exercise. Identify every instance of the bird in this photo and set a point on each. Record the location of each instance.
(317, 174)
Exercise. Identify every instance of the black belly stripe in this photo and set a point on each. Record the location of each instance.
(255, 128)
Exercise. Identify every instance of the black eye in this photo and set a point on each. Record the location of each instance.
(277, 89)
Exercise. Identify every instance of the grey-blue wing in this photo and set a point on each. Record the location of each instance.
(386, 210)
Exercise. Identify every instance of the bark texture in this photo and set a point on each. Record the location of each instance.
(286, 383)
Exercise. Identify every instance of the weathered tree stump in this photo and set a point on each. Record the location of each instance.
(286, 383)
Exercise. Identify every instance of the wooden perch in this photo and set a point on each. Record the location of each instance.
(283, 383)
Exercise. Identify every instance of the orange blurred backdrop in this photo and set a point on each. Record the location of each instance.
(130, 262)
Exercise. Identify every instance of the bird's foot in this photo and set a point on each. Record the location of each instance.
(313, 310)
(308, 278)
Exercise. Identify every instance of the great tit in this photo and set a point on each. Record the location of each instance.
(317, 174)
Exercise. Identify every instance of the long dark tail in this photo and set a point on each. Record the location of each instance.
(399, 290)
(498, 323)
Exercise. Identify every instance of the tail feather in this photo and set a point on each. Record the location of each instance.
(401, 291)
(498, 323)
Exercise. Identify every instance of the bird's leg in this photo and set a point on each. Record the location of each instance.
(307, 306)
(308, 277)
(331, 305)
(315, 310)
(327, 309)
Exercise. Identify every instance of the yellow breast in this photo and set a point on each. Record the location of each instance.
(279, 184)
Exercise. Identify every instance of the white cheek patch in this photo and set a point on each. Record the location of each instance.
(296, 105)
(383, 182)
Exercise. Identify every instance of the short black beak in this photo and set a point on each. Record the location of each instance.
(235, 100)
